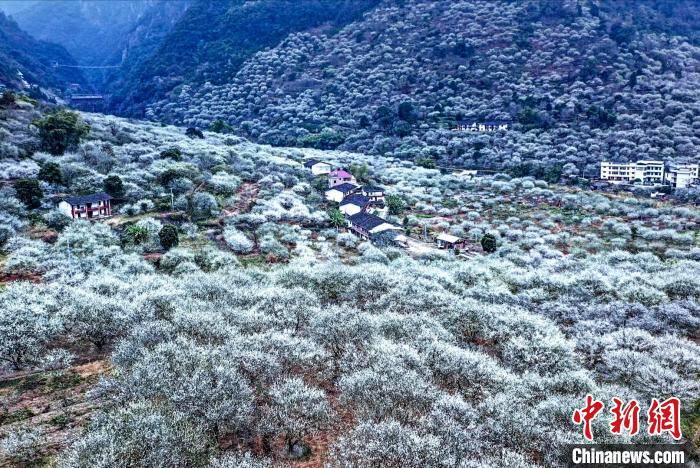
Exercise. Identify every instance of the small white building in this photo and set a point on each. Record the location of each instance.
(682, 176)
(94, 206)
(617, 172)
(338, 192)
(450, 242)
(467, 174)
(317, 167)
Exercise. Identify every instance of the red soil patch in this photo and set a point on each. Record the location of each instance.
(247, 193)
(34, 278)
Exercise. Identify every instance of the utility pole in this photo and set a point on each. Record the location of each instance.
(172, 200)
(70, 254)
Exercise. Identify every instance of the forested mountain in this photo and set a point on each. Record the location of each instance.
(213, 39)
(141, 41)
(97, 33)
(577, 81)
(91, 31)
(34, 59)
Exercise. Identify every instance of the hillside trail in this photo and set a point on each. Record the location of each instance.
(246, 195)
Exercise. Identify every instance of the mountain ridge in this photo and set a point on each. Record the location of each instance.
(571, 77)
(34, 59)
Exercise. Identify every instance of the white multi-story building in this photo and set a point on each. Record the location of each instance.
(645, 172)
(617, 172)
(682, 176)
(650, 172)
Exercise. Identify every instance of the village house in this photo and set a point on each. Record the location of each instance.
(373, 193)
(94, 206)
(340, 176)
(353, 204)
(366, 224)
(390, 237)
(682, 176)
(317, 167)
(450, 242)
(339, 192)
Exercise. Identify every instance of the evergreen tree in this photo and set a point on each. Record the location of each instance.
(488, 243)
(168, 237)
(395, 204)
(29, 192)
(337, 218)
(61, 130)
(51, 173)
(114, 186)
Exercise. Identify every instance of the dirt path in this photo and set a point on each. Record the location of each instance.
(247, 193)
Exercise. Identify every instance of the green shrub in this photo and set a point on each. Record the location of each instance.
(135, 235)
(168, 237)
(114, 186)
(220, 126)
(326, 139)
(488, 243)
(336, 218)
(60, 130)
(194, 133)
(51, 173)
(7, 99)
(395, 204)
(171, 153)
(426, 162)
(29, 192)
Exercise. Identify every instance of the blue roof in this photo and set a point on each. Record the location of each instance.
(344, 188)
(355, 199)
(366, 221)
(312, 162)
(83, 199)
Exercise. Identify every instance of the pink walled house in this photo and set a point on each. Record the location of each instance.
(340, 176)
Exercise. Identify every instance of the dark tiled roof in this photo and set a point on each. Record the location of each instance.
(83, 199)
(344, 188)
(366, 221)
(388, 235)
(311, 162)
(372, 188)
(355, 199)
